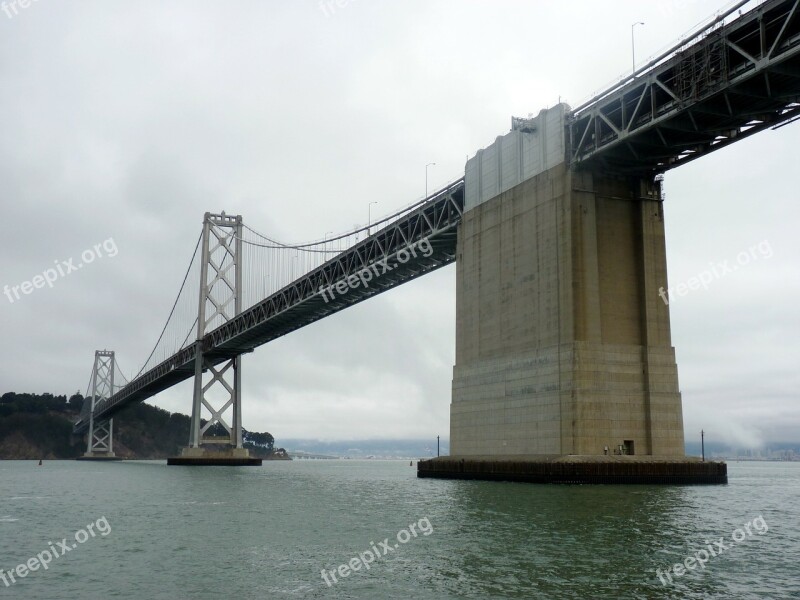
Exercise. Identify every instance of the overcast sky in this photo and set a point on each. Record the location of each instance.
(129, 120)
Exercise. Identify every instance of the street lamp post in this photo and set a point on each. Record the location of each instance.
(703, 444)
(426, 177)
(633, 44)
(369, 217)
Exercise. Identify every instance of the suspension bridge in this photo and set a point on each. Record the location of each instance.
(255, 289)
(734, 76)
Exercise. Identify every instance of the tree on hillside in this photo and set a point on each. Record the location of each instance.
(76, 401)
(262, 440)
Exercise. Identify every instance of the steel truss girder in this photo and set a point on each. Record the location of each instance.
(749, 67)
(301, 302)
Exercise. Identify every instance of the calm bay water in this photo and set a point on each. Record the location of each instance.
(216, 532)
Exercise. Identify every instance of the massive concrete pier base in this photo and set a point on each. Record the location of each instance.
(100, 457)
(576, 469)
(563, 342)
(218, 457)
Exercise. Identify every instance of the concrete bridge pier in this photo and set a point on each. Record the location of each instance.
(563, 349)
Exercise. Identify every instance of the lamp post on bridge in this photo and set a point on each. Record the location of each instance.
(433, 164)
(369, 217)
(633, 44)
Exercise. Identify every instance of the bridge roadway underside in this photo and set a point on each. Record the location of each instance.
(430, 230)
(736, 81)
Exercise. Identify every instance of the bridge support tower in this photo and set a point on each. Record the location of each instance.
(100, 437)
(215, 436)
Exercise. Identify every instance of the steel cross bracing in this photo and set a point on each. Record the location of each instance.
(100, 428)
(302, 303)
(222, 255)
(737, 80)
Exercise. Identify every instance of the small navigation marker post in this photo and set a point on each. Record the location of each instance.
(703, 444)
(437, 445)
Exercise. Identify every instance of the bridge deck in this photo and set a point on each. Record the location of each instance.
(736, 80)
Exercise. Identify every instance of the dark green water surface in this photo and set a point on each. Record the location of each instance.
(268, 532)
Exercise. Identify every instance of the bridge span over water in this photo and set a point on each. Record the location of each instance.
(737, 75)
